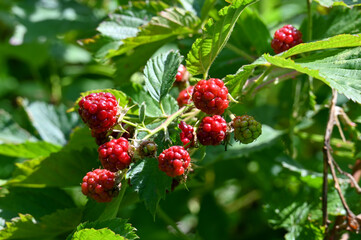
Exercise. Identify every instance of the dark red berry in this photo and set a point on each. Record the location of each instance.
(114, 154)
(99, 185)
(210, 96)
(212, 130)
(98, 111)
(180, 76)
(174, 161)
(187, 135)
(185, 96)
(286, 38)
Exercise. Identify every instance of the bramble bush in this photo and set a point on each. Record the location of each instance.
(180, 119)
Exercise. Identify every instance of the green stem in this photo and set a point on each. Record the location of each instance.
(162, 109)
(309, 23)
(165, 124)
(130, 123)
(258, 81)
(240, 52)
(170, 222)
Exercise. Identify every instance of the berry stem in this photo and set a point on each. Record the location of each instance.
(165, 124)
(162, 109)
(163, 215)
(259, 80)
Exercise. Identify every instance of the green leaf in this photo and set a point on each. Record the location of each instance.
(39, 201)
(121, 26)
(152, 109)
(340, 20)
(340, 69)
(236, 81)
(237, 150)
(347, 3)
(119, 95)
(215, 36)
(160, 74)
(149, 182)
(52, 123)
(49, 226)
(170, 23)
(93, 234)
(311, 178)
(339, 41)
(312, 231)
(29, 149)
(64, 168)
(116, 225)
(10, 131)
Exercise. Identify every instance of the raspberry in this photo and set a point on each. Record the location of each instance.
(99, 185)
(210, 96)
(286, 38)
(212, 130)
(246, 129)
(181, 74)
(114, 154)
(174, 161)
(185, 96)
(186, 136)
(98, 111)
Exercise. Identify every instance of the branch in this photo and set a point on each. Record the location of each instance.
(329, 162)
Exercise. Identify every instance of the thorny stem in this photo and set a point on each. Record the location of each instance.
(165, 124)
(170, 222)
(326, 150)
(330, 162)
(277, 79)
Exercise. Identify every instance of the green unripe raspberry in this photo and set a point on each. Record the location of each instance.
(246, 129)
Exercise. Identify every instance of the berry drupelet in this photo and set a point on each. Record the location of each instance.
(286, 38)
(212, 130)
(210, 96)
(98, 111)
(185, 96)
(187, 135)
(174, 161)
(114, 154)
(246, 129)
(99, 185)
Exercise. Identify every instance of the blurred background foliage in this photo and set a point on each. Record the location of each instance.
(257, 192)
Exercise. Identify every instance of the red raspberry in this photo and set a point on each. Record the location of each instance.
(114, 154)
(210, 96)
(98, 111)
(174, 160)
(186, 136)
(185, 96)
(286, 38)
(99, 185)
(212, 130)
(181, 73)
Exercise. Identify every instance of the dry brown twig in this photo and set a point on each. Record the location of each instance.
(353, 221)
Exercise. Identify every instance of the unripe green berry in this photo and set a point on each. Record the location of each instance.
(246, 129)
